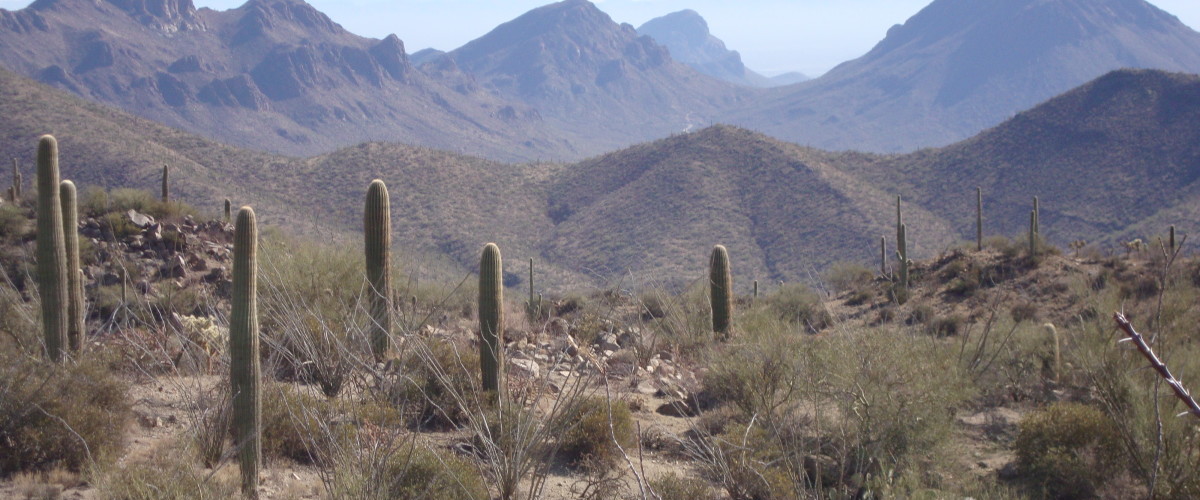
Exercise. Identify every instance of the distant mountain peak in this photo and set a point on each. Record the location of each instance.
(685, 33)
(167, 15)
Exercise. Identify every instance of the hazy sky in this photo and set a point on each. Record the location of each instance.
(773, 36)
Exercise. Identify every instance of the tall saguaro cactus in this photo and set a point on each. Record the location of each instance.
(377, 233)
(902, 255)
(720, 292)
(51, 251)
(491, 317)
(166, 187)
(70, 215)
(228, 211)
(243, 351)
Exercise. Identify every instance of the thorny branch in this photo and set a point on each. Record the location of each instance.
(1158, 365)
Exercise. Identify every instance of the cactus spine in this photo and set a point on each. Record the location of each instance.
(377, 232)
(166, 190)
(228, 213)
(75, 325)
(491, 318)
(243, 351)
(979, 219)
(51, 251)
(720, 291)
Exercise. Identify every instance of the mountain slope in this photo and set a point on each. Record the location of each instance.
(686, 35)
(272, 74)
(959, 66)
(1103, 158)
(589, 76)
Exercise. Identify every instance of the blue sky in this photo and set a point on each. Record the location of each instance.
(773, 36)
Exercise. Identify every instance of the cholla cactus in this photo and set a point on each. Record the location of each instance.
(51, 251)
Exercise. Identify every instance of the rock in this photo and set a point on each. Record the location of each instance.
(524, 368)
(630, 338)
(677, 408)
(109, 279)
(215, 275)
(608, 342)
(174, 268)
(195, 263)
(138, 219)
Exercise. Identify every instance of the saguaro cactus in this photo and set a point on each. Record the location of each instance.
(51, 251)
(979, 219)
(1172, 240)
(243, 351)
(70, 215)
(491, 317)
(720, 292)
(883, 256)
(228, 213)
(902, 255)
(1032, 233)
(533, 308)
(166, 188)
(377, 233)
(16, 182)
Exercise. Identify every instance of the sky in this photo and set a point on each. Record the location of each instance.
(773, 36)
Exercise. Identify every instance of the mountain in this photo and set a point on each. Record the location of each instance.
(686, 35)
(960, 66)
(591, 77)
(275, 75)
(789, 79)
(1115, 159)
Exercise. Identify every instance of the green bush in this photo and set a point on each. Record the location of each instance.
(164, 478)
(1068, 450)
(14, 225)
(298, 425)
(593, 431)
(415, 473)
(846, 276)
(70, 415)
(674, 487)
(799, 304)
(430, 382)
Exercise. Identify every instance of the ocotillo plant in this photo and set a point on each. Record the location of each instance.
(377, 233)
(228, 214)
(166, 188)
(720, 292)
(243, 351)
(491, 318)
(70, 215)
(978, 219)
(51, 251)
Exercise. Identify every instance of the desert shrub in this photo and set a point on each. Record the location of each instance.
(759, 377)
(165, 477)
(1140, 287)
(749, 463)
(799, 304)
(411, 472)
(846, 276)
(685, 327)
(431, 381)
(20, 325)
(117, 224)
(1024, 311)
(69, 415)
(1068, 450)
(671, 486)
(594, 429)
(14, 225)
(298, 425)
(947, 326)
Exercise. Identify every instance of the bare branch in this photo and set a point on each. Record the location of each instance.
(1158, 366)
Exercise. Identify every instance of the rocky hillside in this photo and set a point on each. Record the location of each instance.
(273, 75)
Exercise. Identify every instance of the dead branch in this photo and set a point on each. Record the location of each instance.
(1158, 365)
